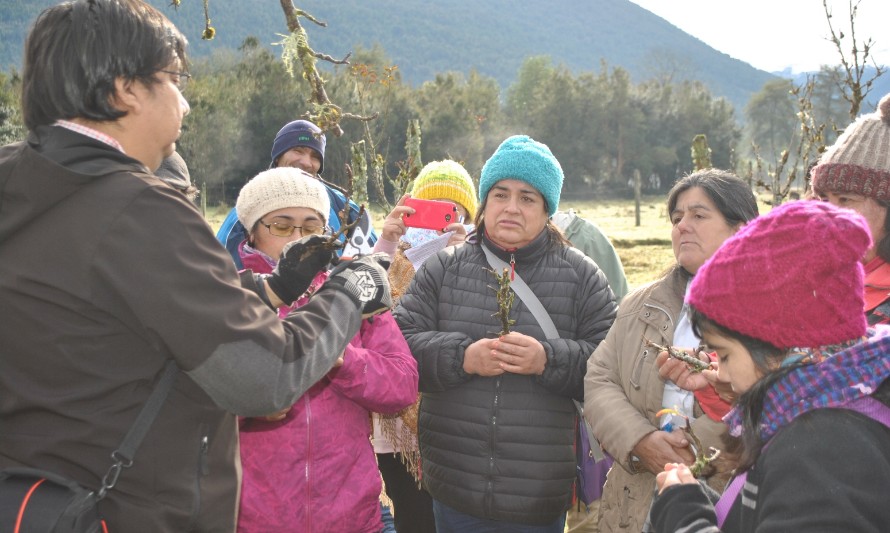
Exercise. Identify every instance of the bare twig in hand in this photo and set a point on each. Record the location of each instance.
(332, 243)
(345, 225)
(695, 365)
(504, 296)
(702, 461)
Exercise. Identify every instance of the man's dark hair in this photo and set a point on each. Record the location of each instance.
(76, 50)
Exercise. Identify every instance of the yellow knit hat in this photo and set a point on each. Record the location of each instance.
(446, 180)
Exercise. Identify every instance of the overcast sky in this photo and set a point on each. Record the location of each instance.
(774, 34)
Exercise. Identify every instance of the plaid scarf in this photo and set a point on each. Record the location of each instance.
(841, 378)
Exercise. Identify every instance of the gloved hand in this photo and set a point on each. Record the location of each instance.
(364, 278)
(300, 262)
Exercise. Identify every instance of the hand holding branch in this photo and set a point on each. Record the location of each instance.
(661, 447)
(674, 474)
(478, 359)
(519, 354)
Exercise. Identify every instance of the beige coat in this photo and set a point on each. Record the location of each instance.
(622, 393)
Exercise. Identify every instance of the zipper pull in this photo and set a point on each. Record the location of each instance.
(512, 267)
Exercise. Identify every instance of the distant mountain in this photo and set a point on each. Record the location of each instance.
(425, 37)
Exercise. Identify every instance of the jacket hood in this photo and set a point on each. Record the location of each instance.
(50, 166)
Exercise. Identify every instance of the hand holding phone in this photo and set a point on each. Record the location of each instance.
(430, 214)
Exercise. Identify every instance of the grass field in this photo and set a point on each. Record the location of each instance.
(645, 251)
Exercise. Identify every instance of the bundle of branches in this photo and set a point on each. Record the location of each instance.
(702, 459)
(505, 297)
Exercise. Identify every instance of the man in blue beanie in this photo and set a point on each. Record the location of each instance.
(300, 144)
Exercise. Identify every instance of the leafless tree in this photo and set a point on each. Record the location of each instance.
(853, 84)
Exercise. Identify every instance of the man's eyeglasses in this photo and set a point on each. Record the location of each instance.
(181, 79)
(279, 229)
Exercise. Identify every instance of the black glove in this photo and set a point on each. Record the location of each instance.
(300, 262)
(364, 278)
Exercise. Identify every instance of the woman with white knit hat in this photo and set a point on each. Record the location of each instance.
(312, 468)
(270, 204)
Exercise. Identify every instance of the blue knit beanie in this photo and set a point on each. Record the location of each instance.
(522, 158)
(299, 133)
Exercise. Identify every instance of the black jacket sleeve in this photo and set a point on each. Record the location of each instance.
(567, 357)
(832, 463)
(688, 508)
(439, 354)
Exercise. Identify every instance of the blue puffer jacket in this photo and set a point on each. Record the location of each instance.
(501, 447)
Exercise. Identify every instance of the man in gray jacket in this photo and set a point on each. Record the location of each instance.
(106, 274)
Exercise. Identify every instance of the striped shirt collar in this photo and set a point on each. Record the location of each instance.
(91, 133)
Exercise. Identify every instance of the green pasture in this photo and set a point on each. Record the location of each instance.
(645, 250)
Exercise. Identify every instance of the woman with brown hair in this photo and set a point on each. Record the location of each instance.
(622, 389)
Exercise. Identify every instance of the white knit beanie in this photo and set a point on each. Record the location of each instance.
(278, 188)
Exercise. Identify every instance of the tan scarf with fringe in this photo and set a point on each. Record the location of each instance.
(404, 435)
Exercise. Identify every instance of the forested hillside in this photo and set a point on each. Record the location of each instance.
(425, 38)
(613, 90)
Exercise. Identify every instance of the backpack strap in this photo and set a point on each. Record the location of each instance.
(724, 504)
(871, 408)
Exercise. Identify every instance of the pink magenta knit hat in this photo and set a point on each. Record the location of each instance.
(792, 277)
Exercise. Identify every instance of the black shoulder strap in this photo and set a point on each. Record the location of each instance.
(531, 301)
(525, 294)
(123, 455)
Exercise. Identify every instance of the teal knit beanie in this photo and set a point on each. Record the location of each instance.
(522, 158)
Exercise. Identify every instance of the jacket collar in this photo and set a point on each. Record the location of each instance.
(877, 283)
(527, 254)
(80, 153)
(669, 292)
(53, 164)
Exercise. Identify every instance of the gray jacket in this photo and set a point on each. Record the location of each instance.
(501, 447)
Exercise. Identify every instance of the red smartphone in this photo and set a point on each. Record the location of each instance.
(430, 214)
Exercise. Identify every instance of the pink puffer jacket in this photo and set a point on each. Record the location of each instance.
(316, 470)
